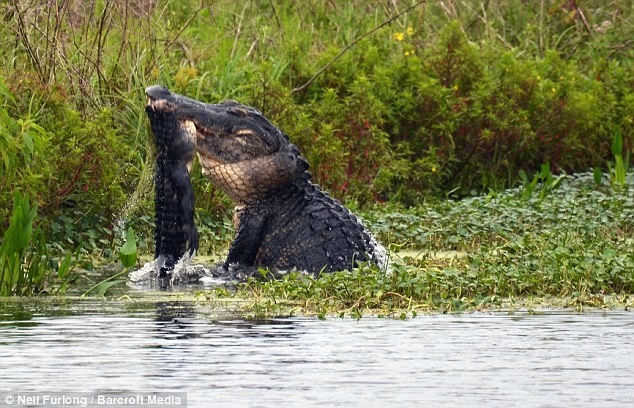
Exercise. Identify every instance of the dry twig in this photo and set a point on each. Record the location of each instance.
(353, 43)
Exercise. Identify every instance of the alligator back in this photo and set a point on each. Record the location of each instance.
(309, 231)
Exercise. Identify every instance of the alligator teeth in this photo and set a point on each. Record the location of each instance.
(157, 104)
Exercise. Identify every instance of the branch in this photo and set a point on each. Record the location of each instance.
(583, 18)
(353, 43)
(191, 18)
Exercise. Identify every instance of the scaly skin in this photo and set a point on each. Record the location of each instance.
(283, 221)
(175, 233)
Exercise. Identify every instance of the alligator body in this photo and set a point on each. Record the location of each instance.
(175, 233)
(283, 221)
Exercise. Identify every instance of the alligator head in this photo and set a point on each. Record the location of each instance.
(175, 139)
(240, 151)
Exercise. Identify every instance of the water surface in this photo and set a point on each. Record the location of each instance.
(483, 359)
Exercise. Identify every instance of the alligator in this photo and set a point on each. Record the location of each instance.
(283, 221)
(175, 233)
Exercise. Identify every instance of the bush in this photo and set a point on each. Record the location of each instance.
(73, 167)
(25, 265)
(447, 99)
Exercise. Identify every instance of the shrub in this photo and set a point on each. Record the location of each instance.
(25, 265)
(447, 99)
(72, 166)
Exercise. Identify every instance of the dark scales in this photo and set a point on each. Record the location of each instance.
(175, 233)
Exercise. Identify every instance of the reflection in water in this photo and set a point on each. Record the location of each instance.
(493, 360)
(179, 320)
(175, 320)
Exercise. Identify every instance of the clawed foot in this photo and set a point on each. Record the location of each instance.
(192, 238)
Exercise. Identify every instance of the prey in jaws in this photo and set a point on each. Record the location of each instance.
(175, 234)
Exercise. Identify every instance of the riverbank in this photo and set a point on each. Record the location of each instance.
(567, 244)
(564, 243)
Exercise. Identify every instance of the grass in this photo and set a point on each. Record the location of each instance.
(570, 249)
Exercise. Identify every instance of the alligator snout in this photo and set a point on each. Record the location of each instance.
(157, 97)
(156, 92)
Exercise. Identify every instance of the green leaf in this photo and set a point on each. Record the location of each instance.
(28, 141)
(545, 171)
(128, 252)
(100, 288)
(4, 91)
(617, 142)
(609, 253)
(64, 267)
(103, 287)
(598, 176)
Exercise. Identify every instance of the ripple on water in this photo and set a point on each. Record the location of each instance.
(182, 273)
(492, 360)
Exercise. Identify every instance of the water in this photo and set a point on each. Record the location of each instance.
(222, 360)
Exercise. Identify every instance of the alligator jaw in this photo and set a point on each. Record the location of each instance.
(236, 151)
(157, 92)
(157, 105)
(159, 98)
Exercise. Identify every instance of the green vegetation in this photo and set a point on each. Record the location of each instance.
(447, 100)
(24, 269)
(570, 249)
(618, 171)
(128, 253)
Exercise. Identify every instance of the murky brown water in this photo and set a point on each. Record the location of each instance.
(220, 360)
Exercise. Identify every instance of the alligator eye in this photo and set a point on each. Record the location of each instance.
(239, 111)
(244, 132)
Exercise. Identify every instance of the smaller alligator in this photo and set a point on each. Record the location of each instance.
(283, 221)
(175, 234)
